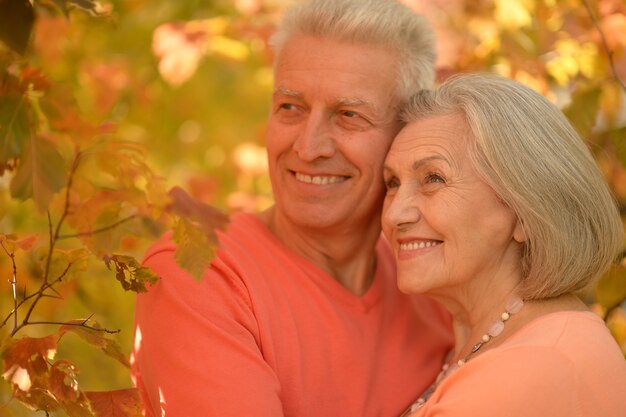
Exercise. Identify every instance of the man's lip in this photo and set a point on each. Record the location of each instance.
(319, 178)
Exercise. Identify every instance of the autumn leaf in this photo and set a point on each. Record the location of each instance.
(25, 361)
(95, 338)
(15, 128)
(611, 289)
(582, 112)
(130, 273)
(208, 217)
(179, 50)
(102, 218)
(41, 172)
(64, 264)
(193, 249)
(16, 23)
(92, 7)
(63, 382)
(120, 403)
(34, 79)
(619, 141)
(195, 231)
(12, 243)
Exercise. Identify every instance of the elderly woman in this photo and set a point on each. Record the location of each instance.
(496, 209)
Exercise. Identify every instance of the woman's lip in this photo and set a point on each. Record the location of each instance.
(410, 248)
(416, 244)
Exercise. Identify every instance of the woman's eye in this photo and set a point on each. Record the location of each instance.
(435, 178)
(392, 183)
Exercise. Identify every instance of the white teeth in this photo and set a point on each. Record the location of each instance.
(418, 245)
(318, 180)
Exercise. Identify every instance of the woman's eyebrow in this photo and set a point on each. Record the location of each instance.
(419, 163)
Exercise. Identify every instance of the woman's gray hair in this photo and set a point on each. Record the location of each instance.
(529, 153)
(370, 22)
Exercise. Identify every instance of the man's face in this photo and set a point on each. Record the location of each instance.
(334, 115)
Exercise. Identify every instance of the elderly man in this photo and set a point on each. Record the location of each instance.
(299, 313)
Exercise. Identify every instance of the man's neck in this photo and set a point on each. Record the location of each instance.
(346, 252)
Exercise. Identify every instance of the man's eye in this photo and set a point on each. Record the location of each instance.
(287, 106)
(350, 114)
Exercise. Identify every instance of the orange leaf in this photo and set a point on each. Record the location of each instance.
(26, 369)
(63, 383)
(26, 243)
(30, 353)
(121, 403)
(11, 242)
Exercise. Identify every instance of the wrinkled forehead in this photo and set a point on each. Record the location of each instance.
(448, 131)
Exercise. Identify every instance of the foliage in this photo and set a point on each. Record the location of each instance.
(106, 106)
(77, 193)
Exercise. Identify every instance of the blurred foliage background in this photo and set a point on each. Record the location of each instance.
(160, 93)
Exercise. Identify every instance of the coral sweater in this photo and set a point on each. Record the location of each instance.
(266, 333)
(563, 364)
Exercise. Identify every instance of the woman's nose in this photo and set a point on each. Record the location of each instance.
(401, 210)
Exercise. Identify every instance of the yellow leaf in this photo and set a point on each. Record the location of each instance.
(228, 48)
(611, 289)
(514, 14)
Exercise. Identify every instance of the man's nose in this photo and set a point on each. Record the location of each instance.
(315, 140)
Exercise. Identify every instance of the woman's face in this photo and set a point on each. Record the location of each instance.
(448, 228)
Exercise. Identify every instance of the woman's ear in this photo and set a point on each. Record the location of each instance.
(519, 233)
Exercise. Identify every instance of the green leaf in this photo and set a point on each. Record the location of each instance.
(91, 7)
(130, 273)
(16, 23)
(582, 111)
(14, 127)
(194, 251)
(41, 173)
(65, 264)
(95, 338)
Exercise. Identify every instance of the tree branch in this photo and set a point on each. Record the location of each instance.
(82, 324)
(100, 230)
(38, 296)
(13, 285)
(609, 53)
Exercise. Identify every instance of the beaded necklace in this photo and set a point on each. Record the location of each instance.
(512, 307)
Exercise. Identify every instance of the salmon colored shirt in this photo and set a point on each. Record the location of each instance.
(563, 364)
(266, 333)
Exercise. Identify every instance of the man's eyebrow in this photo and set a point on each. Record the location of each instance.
(355, 102)
(287, 92)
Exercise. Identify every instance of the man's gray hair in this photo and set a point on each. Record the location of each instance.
(370, 22)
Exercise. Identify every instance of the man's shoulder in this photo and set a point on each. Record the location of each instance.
(240, 230)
